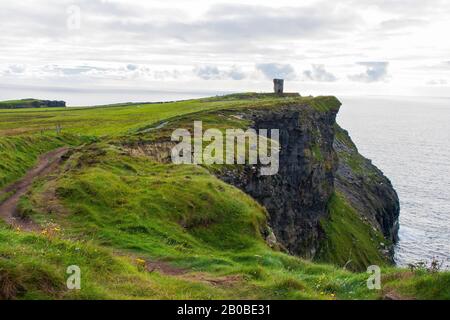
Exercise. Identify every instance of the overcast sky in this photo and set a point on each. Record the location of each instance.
(124, 50)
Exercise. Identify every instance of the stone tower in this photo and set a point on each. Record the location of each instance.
(278, 85)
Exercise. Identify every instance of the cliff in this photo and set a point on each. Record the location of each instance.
(366, 188)
(326, 202)
(297, 196)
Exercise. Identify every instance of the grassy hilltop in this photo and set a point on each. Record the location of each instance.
(31, 103)
(141, 229)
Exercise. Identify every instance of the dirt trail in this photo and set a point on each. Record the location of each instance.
(8, 208)
(167, 269)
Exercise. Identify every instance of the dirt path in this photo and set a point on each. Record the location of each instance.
(167, 269)
(8, 208)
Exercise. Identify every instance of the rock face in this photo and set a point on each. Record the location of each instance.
(366, 188)
(296, 198)
(314, 163)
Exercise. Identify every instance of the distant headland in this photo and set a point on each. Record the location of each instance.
(31, 103)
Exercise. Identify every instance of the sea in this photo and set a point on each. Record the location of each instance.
(409, 140)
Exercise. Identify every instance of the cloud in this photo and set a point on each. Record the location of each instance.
(410, 7)
(132, 67)
(276, 70)
(437, 82)
(86, 73)
(208, 72)
(375, 71)
(166, 74)
(211, 72)
(78, 71)
(14, 69)
(237, 22)
(236, 73)
(395, 24)
(318, 73)
(127, 42)
(441, 66)
(261, 22)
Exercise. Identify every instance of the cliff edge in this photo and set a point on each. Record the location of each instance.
(327, 202)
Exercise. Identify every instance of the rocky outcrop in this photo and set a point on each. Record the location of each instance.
(366, 188)
(317, 158)
(158, 151)
(296, 197)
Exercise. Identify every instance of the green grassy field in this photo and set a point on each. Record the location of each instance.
(92, 121)
(114, 215)
(117, 120)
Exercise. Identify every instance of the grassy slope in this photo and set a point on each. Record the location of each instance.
(19, 153)
(34, 267)
(112, 209)
(350, 242)
(178, 214)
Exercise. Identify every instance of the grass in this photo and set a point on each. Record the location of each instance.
(136, 204)
(33, 266)
(349, 241)
(350, 155)
(120, 119)
(317, 153)
(106, 212)
(19, 153)
(94, 121)
(127, 207)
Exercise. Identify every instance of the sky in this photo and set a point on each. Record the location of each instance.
(103, 51)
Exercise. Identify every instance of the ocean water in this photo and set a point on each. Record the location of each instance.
(409, 140)
(98, 96)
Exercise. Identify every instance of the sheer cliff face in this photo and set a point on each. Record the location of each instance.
(296, 198)
(365, 187)
(318, 162)
(317, 159)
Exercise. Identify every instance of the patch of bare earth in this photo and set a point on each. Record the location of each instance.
(49, 203)
(393, 295)
(47, 163)
(164, 268)
(167, 269)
